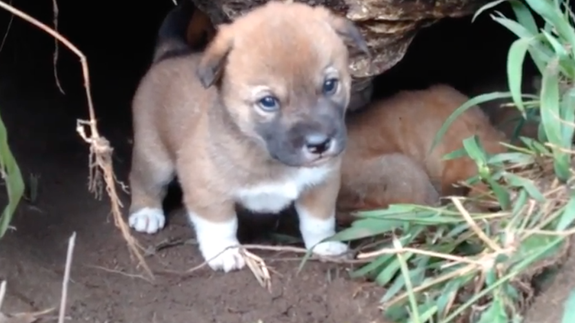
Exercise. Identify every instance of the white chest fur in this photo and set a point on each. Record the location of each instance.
(273, 197)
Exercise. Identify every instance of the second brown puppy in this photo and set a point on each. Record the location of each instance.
(388, 161)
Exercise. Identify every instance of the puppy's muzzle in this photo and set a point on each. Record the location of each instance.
(317, 144)
(319, 147)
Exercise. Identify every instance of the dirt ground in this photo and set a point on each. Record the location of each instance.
(549, 306)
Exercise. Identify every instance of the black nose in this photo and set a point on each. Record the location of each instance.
(317, 143)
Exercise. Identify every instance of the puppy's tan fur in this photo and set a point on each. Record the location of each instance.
(201, 127)
(387, 159)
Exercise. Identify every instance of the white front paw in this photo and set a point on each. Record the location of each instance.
(228, 260)
(149, 220)
(215, 240)
(330, 248)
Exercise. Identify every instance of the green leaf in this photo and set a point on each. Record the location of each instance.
(396, 313)
(408, 286)
(535, 245)
(365, 228)
(427, 311)
(515, 158)
(456, 154)
(568, 117)
(539, 53)
(490, 277)
(524, 16)
(387, 274)
(464, 107)
(511, 291)
(395, 288)
(565, 63)
(449, 291)
(517, 208)
(569, 309)
(385, 260)
(515, 27)
(550, 11)
(487, 7)
(525, 183)
(501, 193)
(515, 59)
(393, 209)
(568, 216)
(495, 313)
(535, 146)
(557, 46)
(549, 117)
(544, 249)
(457, 230)
(476, 152)
(12, 178)
(416, 276)
(372, 266)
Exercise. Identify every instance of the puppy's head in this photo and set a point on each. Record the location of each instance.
(283, 77)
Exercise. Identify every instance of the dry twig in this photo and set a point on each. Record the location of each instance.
(100, 150)
(385, 251)
(55, 59)
(474, 225)
(69, 254)
(7, 30)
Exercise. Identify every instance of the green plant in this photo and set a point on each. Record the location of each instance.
(12, 178)
(569, 309)
(441, 264)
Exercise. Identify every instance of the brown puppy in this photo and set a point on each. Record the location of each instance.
(387, 159)
(260, 124)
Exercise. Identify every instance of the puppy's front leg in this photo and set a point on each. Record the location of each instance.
(216, 232)
(316, 212)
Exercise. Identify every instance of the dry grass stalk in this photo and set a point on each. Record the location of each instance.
(100, 149)
(66, 280)
(30, 317)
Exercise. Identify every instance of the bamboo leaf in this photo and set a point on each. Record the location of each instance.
(568, 216)
(464, 107)
(515, 59)
(486, 7)
(549, 118)
(569, 309)
(12, 178)
(495, 313)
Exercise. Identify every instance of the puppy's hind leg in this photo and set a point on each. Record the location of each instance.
(150, 174)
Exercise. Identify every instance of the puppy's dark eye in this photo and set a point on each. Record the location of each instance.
(330, 86)
(269, 103)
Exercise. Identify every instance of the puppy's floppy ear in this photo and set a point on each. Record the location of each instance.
(346, 29)
(213, 60)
